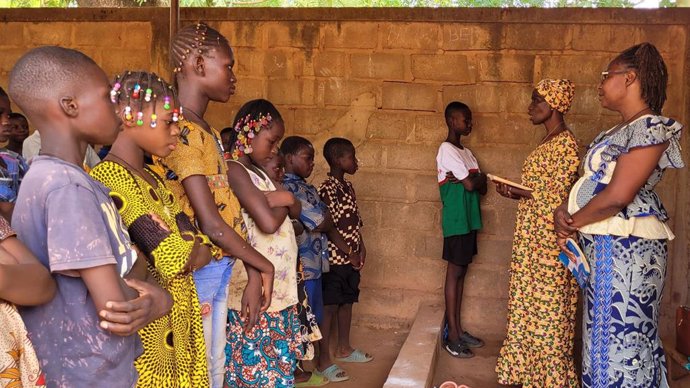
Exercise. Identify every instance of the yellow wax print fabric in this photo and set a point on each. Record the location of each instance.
(538, 349)
(200, 153)
(174, 349)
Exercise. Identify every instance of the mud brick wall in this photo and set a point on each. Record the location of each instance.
(382, 78)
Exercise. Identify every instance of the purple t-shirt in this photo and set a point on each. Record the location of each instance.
(69, 222)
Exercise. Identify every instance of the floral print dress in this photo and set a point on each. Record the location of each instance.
(538, 349)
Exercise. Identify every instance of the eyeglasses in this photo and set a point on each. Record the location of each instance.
(605, 74)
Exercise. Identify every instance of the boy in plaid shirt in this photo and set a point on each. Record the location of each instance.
(341, 283)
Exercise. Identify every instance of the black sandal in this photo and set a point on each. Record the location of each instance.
(458, 349)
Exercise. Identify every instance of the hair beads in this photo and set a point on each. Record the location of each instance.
(246, 129)
(193, 40)
(142, 89)
(128, 113)
(115, 91)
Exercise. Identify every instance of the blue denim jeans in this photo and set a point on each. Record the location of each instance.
(212, 282)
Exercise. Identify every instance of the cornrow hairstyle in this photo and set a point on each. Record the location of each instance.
(196, 39)
(456, 106)
(293, 144)
(132, 89)
(336, 147)
(647, 62)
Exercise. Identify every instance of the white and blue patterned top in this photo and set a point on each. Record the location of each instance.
(645, 216)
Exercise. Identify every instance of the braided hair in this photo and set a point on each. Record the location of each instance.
(647, 62)
(196, 39)
(132, 89)
(252, 117)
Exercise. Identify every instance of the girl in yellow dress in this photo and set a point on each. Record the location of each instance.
(538, 349)
(174, 350)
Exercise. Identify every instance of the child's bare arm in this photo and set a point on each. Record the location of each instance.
(104, 285)
(6, 209)
(278, 199)
(26, 284)
(23, 280)
(268, 218)
(326, 225)
(119, 315)
(362, 252)
(295, 210)
(221, 234)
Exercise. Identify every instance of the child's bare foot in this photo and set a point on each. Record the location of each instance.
(355, 355)
(343, 352)
(301, 376)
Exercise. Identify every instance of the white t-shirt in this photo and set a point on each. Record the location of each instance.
(451, 158)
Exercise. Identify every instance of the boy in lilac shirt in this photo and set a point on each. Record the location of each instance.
(86, 336)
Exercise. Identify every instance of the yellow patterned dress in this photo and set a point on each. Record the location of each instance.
(174, 350)
(538, 349)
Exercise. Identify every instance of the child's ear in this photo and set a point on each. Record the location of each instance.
(69, 106)
(199, 66)
(121, 114)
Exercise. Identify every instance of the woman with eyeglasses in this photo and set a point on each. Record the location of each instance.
(622, 225)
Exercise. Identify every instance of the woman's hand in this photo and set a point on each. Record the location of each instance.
(512, 192)
(503, 190)
(563, 224)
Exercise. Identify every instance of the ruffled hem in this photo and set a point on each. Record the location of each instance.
(645, 227)
(541, 370)
(510, 364)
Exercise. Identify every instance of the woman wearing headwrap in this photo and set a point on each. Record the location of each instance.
(538, 349)
(621, 224)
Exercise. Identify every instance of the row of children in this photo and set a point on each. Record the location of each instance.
(226, 268)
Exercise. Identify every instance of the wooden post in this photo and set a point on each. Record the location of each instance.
(174, 18)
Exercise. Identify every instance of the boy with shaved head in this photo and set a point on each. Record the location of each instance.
(86, 336)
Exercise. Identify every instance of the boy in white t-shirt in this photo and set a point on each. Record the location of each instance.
(460, 183)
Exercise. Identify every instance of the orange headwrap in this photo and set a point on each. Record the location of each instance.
(558, 93)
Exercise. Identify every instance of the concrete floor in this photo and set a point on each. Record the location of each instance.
(478, 372)
(383, 344)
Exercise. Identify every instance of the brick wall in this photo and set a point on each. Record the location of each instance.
(382, 78)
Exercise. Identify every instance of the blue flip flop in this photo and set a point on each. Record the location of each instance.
(356, 356)
(332, 372)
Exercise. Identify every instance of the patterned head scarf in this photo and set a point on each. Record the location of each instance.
(558, 93)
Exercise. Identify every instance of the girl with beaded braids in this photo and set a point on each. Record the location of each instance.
(196, 173)
(622, 225)
(174, 350)
(267, 355)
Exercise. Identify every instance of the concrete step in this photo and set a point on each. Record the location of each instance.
(476, 372)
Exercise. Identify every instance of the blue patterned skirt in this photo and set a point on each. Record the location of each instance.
(266, 356)
(621, 313)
